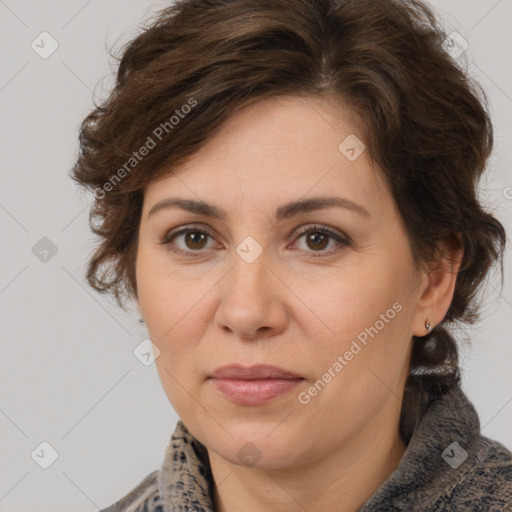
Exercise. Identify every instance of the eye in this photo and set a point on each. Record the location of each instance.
(318, 237)
(195, 239)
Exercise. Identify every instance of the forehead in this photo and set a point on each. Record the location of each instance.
(275, 150)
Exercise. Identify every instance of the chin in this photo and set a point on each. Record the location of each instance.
(251, 445)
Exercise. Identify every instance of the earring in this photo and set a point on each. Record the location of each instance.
(142, 321)
(428, 326)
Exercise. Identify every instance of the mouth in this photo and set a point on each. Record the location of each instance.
(253, 385)
(255, 372)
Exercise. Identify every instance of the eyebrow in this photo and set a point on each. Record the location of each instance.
(285, 211)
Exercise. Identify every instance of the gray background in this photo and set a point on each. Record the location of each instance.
(68, 375)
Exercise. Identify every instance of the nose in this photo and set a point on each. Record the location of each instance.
(252, 300)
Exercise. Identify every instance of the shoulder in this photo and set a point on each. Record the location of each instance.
(144, 497)
(483, 482)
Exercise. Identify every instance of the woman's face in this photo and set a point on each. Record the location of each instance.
(329, 294)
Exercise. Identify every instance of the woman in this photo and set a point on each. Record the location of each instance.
(287, 189)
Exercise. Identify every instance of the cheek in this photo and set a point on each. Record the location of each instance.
(180, 365)
(366, 358)
(176, 309)
(363, 317)
(168, 308)
(349, 302)
(161, 296)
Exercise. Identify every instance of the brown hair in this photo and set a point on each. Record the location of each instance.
(426, 127)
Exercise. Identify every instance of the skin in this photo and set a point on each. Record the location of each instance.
(287, 307)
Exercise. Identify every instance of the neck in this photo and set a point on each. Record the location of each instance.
(341, 480)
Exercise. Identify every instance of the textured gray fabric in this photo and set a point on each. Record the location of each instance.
(431, 477)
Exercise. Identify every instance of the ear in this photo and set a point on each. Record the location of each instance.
(437, 293)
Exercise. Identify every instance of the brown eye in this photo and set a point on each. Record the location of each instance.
(317, 238)
(195, 240)
(191, 240)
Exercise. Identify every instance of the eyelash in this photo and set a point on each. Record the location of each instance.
(343, 241)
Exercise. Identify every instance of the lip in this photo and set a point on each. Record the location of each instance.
(256, 372)
(254, 385)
